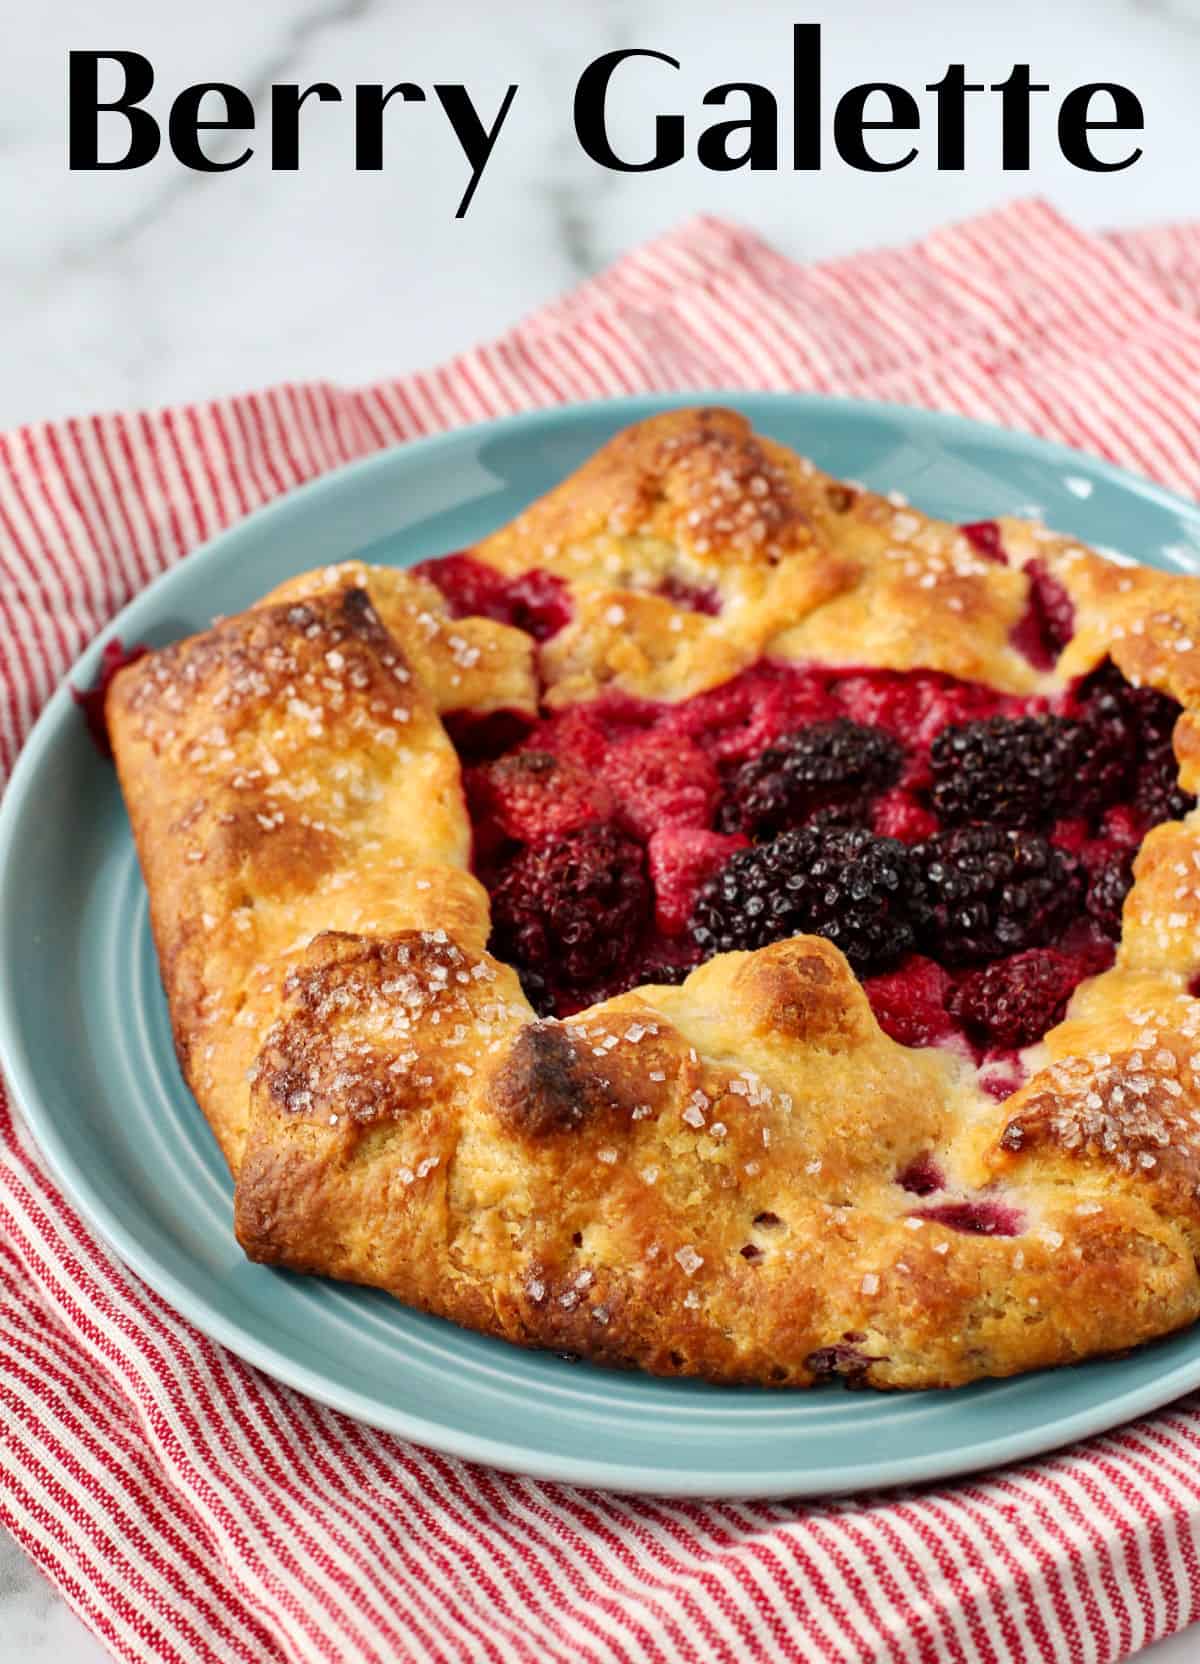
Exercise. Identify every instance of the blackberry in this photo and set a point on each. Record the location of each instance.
(1102, 773)
(1105, 697)
(1108, 885)
(994, 890)
(828, 767)
(1158, 796)
(670, 964)
(1010, 771)
(571, 911)
(862, 893)
(536, 990)
(1140, 722)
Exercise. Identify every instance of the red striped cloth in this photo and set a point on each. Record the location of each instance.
(191, 1509)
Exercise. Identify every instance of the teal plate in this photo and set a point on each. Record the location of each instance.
(86, 1044)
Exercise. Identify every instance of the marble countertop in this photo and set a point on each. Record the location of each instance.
(129, 288)
(132, 288)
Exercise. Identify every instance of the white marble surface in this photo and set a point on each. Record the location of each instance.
(147, 287)
(144, 287)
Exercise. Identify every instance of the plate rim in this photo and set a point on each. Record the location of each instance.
(513, 1455)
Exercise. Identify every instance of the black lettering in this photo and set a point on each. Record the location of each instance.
(591, 94)
(286, 102)
(1014, 116)
(85, 105)
(184, 125)
(850, 123)
(952, 92)
(761, 127)
(477, 140)
(806, 97)
(370, 101)
(1075, 123)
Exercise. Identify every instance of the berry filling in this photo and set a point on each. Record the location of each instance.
(845, 1360)
(1012, 1002)
(968, 851)
(860, 892)
(979, 1217)
(695, 597)
(1048, 622)
(535, 601)
(922, 1176)
(984, 538)
(910, 1002)
(831, 769)
(564, 910)
(114, 656)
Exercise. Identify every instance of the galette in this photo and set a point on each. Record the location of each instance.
(726, 922)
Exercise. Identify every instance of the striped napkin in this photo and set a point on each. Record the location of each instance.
(191, 1509)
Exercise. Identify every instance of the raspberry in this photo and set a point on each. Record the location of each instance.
(681, 862)
(860, 892)
(1071, 834)
(1121, 828)
(897, 814)
(741, 718)
(1011, 771)
(994, 890)
(915, 705)
(535, 601)
(1015, 1001)
(1109, 882)
(1048, 622)
(910, 1002)
(984, 538)
(585, 734)
(828, 766)
(533, 795)
(661, 781)
(572, 911)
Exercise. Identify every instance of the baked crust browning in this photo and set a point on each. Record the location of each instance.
(806, 567)
(285, 773)
(696, 1180)
(462, 663)
(709, 1179)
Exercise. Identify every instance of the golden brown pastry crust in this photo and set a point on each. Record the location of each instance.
(695, 1179)
(286, 773)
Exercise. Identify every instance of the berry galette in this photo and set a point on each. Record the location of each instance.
(726, 922)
